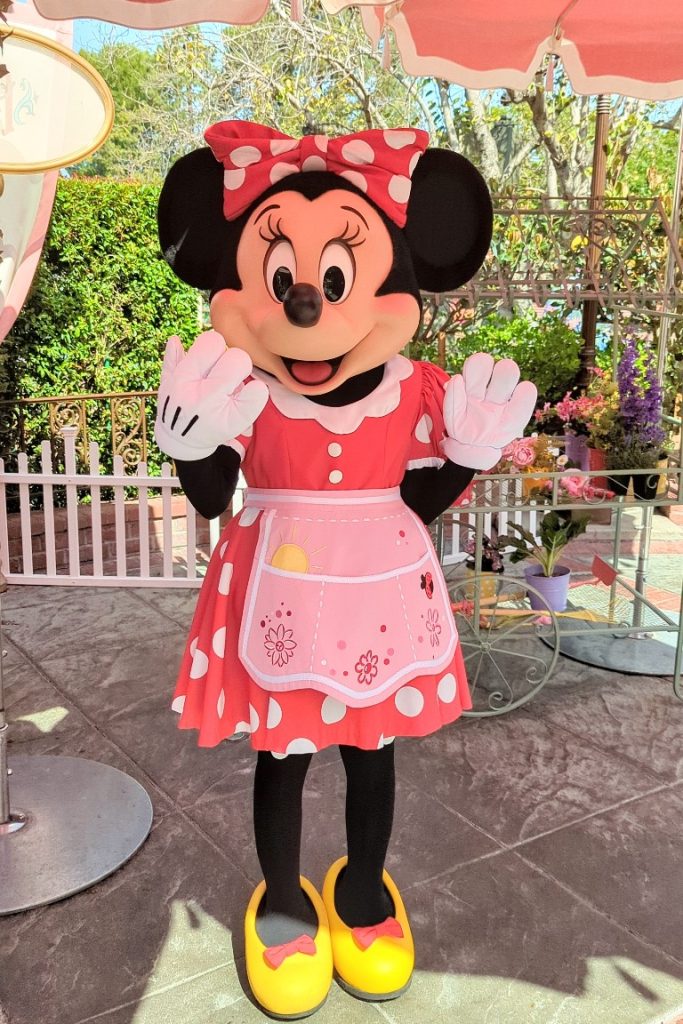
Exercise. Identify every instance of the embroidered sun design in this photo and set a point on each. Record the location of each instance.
(433, 627)
(366, 667)
(279, 645)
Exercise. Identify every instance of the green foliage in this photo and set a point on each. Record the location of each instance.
(546, 350)
(102, 305)
(555, 532)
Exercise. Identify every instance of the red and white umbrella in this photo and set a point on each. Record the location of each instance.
(626, 46)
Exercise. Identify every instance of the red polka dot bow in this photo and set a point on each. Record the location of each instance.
(379, 162)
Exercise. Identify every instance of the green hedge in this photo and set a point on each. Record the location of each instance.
(101, 307)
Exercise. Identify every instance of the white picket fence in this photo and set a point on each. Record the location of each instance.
(148, 557)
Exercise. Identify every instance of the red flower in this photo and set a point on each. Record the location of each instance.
(366, 667)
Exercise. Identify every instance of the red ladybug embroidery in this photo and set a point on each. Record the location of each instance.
(427, 584)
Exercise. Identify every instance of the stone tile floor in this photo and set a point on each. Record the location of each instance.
(539, 852)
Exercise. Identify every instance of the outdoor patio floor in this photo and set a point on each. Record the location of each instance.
(539, 853)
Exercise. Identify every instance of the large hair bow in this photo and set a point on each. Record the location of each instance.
(379, 162)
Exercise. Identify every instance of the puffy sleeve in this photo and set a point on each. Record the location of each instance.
(428, 429)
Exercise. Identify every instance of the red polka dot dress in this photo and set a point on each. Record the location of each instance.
(324, 617)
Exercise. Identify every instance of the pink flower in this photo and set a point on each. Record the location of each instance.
(521, 452)
(366, 667)
(279, 645)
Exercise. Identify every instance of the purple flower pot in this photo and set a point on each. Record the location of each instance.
(576, 449)
(555, 589)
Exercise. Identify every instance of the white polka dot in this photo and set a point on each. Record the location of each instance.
(336, 476)
(249, 516)
(226, 576)
(224, 548)
(243, 727)
(334, 449)
(193, 645)
(332, 711)
(385, 741)
(314, 163)
(220, 704)
(424, 429)
(253, 718)
(398, 139)
(399, 188)
(356, 179)
(409, 701)
(280, 757)
(200, 665)
(280, 171)
(178, 704)
(301, 746)
(280, 146)
(413, 163)
(447, 688)
(218, 642)
(358, 152)
(274, 714)
(322, 142)
(245, 155)
(234, 179)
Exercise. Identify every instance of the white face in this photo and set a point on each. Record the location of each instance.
(338, 246)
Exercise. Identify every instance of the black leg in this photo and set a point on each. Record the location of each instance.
(360, 897)
(286, 911)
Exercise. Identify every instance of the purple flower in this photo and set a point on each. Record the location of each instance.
(640, 397)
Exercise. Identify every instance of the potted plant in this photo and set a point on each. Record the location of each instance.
(548, 577)
(636, 438)
(576, 416)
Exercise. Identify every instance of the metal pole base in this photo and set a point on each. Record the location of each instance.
(83, 820)
(640, 656)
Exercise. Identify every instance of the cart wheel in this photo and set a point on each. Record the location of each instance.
(510, 650)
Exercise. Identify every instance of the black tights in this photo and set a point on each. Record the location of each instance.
(360, 898)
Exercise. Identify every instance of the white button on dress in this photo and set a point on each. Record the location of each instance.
(336, 476)
(334, 449)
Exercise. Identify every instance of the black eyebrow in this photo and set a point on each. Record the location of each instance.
(266, 209)
(352, 210)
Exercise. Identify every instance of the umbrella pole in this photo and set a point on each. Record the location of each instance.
(598, 180)
(667, 303)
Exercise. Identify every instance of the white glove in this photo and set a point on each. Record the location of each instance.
(203, 401)
(484, 409)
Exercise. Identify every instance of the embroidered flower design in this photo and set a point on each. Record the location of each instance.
(366, 667)
(279, 645)
(433, 627)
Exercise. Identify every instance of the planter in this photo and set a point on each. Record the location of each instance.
(646, 484)
(555, 588)
(576, 450)
(619, 484)
(597, 459)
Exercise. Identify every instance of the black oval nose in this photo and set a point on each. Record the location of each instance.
(303, 305)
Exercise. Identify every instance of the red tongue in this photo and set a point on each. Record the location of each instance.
(312, 372)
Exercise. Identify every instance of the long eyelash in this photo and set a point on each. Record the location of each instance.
(350, 240)
(276, 233)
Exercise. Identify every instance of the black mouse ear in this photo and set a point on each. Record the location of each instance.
(193, 232)
(450, 220)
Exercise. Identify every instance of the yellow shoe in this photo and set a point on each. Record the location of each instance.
(373, 963)
(292, 980)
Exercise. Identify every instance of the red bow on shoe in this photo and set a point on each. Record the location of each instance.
(364, 937)
(379, 162)
(274, 955)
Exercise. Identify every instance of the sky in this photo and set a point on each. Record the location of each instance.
(88, 34)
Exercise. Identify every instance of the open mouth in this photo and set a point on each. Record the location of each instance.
(312, 371)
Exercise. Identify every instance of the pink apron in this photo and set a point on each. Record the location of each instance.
(346, 596)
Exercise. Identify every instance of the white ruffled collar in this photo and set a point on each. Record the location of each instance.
(343, 419)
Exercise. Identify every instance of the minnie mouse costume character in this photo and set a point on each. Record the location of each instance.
(324, 616)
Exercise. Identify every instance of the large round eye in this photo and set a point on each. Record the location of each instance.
(337, 271)
(280, 269)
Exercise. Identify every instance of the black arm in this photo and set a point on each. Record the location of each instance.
(431, 490)
(210, 483)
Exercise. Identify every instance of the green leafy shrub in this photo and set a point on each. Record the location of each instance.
(102, 305)
(546, 350)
